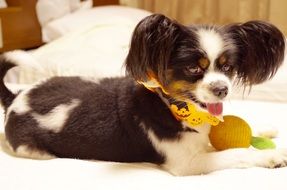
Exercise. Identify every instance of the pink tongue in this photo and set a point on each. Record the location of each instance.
(215, 108)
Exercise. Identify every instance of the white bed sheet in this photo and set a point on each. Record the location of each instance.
(26, 174)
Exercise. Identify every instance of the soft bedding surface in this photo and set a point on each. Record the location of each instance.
(18, 173)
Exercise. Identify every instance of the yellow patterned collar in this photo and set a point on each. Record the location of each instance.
(183, 111)
(189, 112)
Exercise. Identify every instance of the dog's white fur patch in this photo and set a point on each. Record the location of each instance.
(202, 91)
(26, 152)
(20, 104)
(192, 155)
(56, 118)
(212, 43)
(90, 79)
(179, 152)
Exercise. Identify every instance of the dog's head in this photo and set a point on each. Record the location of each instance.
(199, 63)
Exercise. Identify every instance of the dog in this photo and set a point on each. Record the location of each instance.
(128, 119)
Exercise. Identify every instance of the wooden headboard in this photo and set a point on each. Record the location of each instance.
(105, 2)
(20, 26)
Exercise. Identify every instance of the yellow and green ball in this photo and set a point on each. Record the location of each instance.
(234, 132)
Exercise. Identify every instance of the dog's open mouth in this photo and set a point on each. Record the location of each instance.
(213, 108)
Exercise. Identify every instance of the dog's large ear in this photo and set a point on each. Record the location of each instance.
(151, 47)
(261, 48)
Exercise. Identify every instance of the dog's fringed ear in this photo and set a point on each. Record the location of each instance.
(151, 46)
(261, 48)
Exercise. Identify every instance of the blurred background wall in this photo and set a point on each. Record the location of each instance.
(217, 11)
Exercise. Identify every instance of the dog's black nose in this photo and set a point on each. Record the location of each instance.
(219, 89)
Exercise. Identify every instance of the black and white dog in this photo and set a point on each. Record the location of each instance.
(120, 120)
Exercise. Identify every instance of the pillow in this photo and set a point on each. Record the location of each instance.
(49, 10)
(89, 18)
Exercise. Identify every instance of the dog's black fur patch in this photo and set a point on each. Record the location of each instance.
(105, 126)
(7, 96)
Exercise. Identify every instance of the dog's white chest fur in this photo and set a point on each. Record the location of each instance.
(178, 153)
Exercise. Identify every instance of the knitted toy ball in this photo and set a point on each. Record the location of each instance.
(234, 132)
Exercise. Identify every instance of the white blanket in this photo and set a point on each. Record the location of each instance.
(26, 174)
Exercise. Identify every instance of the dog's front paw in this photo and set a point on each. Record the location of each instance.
(273, 158)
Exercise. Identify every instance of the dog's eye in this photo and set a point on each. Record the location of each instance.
(226, 68)
(193, 70)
